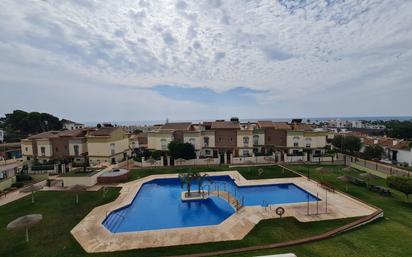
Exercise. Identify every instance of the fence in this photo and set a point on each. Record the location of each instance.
(149, 163)
(387, 170)
(195, 162)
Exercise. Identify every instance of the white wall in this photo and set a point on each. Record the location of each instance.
(405, 156)
(198, 140)
(104, 149)
(29, 147)
(211, 135)
(47, 146)
(154, 140)
(244, 134)
(82, 146)
(261, 138)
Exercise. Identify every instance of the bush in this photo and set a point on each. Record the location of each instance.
(178, 150)
(402, 184)
(42, 167)
(373, 152)
(18, 184)
(156, 154)
(23, 177)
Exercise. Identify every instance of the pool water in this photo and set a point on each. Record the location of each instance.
(158, 204)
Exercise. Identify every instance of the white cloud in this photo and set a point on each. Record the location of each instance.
(293, 49)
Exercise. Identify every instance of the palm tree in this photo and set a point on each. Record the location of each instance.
(186, 179)
(200, 179)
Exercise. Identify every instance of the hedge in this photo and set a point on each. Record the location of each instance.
(402, 184)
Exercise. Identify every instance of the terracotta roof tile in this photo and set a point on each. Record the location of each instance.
(106, 131)
(302, 126)
(403, 145)
(225, 125)
(275, 125)
(177, 125)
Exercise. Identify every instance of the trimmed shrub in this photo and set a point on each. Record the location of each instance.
(17, 184)
(402, 184)
(43, 167)
(23, 177)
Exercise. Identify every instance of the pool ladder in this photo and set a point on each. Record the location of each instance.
(265, 204)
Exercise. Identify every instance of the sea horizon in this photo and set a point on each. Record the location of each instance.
(347, 118)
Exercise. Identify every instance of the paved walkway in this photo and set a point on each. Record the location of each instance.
(94, 237)
(12, 196)
(16, 195)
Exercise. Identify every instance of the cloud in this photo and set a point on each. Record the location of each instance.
(293, 51)
(169, 39)
(219, 56)
(234, 96)
(275, 54)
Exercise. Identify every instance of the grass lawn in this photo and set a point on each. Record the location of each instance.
(273, 171)
(387, 237)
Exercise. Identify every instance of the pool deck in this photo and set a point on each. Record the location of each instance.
(94, 237)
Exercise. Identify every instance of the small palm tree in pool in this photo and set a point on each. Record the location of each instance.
(186, 179)
(201, 178)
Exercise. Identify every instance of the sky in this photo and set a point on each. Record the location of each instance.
(96, 60)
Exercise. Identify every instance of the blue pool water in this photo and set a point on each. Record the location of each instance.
(158, 204)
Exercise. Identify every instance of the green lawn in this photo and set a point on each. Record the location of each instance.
(273, 171)
(387, 237)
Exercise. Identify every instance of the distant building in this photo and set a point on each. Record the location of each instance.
(107, 145)
(71, 125)
(356, 124)
(8, 171)
(60, 146)
(1, 136)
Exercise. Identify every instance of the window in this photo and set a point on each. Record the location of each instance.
(57, 149)
(3, 175)
(245, 141)
(256, 140)
(245, 153)
(192, 141)
(112, 149)
(295, 141)
(269, 139)
(163, 144)
(76, 150)
(43, 150)
(308, 142)
(207, 152)
(206, 141)
(220, 139)
(27, 149)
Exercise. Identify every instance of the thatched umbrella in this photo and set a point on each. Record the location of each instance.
(322, 170)
(31, 189)
(25, 222)
(369, 177)
(346, 179)
(77, 188)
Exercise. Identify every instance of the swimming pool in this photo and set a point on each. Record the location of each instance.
(158, 204)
